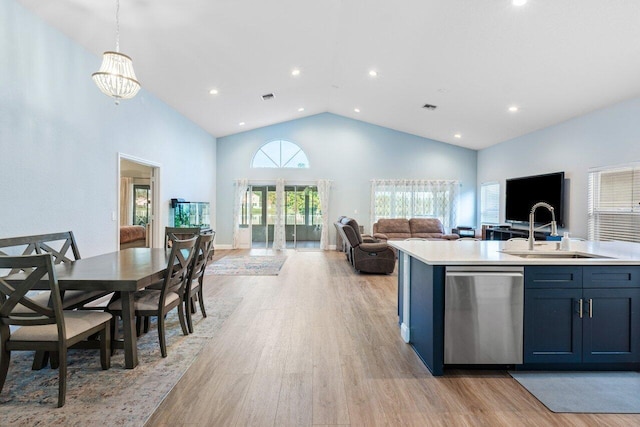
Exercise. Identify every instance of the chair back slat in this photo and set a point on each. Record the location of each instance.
(179, 233)
(182, 253)
(199, 263)
(34, 268)
(42, 244)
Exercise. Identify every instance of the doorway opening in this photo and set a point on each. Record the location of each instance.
(303, 218)
(138, 202)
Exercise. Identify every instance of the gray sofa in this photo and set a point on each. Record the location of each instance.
(366, 255)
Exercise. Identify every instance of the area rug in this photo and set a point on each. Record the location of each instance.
(584, 392)
(246, 266)
(115, 397)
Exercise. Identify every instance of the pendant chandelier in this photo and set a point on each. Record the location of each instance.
(116, 77)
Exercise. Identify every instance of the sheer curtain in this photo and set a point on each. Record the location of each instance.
(324, 187)
(239, 193)
(278, 223)
(126, 201)
(415, 198)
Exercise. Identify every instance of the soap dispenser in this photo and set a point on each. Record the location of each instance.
(565, 243)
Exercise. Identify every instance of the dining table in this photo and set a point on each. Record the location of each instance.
(125, 271)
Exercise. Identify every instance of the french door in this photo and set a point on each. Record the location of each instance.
(303, 219)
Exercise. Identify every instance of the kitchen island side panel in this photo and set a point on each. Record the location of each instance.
(427, 314)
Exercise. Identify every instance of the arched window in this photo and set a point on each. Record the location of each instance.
(280, 154)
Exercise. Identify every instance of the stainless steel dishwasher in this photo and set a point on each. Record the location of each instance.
(483, 315)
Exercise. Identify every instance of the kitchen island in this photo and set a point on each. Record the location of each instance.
(581, 308)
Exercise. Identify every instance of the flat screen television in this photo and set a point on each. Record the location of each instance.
(522, 193)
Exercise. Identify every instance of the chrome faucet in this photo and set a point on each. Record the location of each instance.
(554, 227)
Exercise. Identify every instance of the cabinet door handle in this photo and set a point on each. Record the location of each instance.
(580, 307)
(590, 308)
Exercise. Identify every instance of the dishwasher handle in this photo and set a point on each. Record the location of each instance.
(483, 274)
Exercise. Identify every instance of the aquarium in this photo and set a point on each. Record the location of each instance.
(190, 214)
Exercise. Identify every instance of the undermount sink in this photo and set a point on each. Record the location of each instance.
(551, 254)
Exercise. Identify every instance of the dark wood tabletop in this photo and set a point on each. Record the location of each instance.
(126, 270)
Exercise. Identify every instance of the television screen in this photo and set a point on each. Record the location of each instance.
(523, 193)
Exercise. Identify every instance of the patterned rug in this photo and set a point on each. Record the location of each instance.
(115, 397)
(246, 266)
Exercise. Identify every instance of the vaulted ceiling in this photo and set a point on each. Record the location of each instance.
(472, 59)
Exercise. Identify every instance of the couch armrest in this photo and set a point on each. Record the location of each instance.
(374, 247)
(450, 236)
(380, 236)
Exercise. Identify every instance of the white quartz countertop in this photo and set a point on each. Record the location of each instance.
(488, 252)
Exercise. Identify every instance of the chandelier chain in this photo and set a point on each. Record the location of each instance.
(117, 25)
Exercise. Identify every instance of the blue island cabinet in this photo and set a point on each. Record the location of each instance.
(582, 317)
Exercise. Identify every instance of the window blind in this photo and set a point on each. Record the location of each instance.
(490, 203)
(614, 203)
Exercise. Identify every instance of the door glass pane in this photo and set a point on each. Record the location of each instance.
(141, 204)
(256, 207)
(271, 205)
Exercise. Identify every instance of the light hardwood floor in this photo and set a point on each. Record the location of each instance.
(319, 345)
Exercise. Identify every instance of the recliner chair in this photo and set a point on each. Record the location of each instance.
(368, 256)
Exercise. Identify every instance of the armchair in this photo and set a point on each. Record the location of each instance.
(368, 256)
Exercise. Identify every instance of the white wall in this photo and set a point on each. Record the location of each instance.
(609, 136)
(60, 138)
(348, 152)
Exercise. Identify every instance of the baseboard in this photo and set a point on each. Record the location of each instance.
(404, 333)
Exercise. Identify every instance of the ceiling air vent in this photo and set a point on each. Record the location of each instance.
(268, 97)
(429, 107)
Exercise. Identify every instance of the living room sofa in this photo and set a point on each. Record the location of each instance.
(402, 228)
(366, 255)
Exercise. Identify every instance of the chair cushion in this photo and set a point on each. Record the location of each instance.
(71, 298)
(393, 226)
(350, 222)
(75, 322)
(421, 226)
(146, 300)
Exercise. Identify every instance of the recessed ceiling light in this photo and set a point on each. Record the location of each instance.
(213, 92)
(301, 109)
(513, 109)
(357, 110)
(457, 135)
(295, 72)
(518, 2)
(373, 73)
(241, 124)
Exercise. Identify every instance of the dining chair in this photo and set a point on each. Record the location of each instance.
(179, 233)
(170, 234)
(193, 286)
(63, 248)
(158, 302)
(41, 326)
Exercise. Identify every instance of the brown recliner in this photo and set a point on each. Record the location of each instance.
(368, 256)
